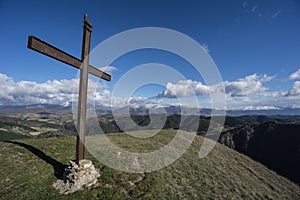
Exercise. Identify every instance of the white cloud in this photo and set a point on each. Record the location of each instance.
(261, 108)
(246, 93)
(252, 84)
(276, 13)
(295, 90)
(58, 92)
(108, 69)
(184, 88)
(295, 75)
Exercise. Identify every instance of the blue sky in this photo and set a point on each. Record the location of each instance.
(252, 42)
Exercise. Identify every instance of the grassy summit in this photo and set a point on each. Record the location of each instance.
(29, 167)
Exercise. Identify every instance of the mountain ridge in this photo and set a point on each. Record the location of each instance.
(141, 110)
(274, 144)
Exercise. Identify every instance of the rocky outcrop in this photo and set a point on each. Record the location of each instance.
(77, 176)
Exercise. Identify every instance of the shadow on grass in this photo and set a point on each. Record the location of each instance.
(57, 166)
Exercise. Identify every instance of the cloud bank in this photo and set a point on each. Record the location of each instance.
(184, 88)
(249, 85)
(58, 92)
(249, 93)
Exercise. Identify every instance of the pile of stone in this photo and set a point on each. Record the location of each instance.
(77, 176)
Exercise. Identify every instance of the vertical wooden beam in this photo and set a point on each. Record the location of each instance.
(83, 86)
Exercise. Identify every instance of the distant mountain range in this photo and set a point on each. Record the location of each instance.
(9, 109)
(204, 111)
(34, 108)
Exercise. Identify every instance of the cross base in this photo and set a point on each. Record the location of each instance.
(77, 176)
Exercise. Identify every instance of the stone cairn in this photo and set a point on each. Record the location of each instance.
(78, 176)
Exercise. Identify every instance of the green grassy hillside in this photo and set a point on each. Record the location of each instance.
(29, 167)
(5, 136)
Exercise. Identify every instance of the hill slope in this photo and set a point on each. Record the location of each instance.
(276, 145)
(29, 167)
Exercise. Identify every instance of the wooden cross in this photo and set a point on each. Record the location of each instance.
(83, 64)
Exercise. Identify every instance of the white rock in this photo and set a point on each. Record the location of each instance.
(77, 176)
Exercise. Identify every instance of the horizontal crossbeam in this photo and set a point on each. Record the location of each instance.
(47, 49)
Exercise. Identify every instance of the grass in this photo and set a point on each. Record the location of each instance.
(29, 166)
(6, 135)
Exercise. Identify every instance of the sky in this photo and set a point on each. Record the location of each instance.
(254, 44)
